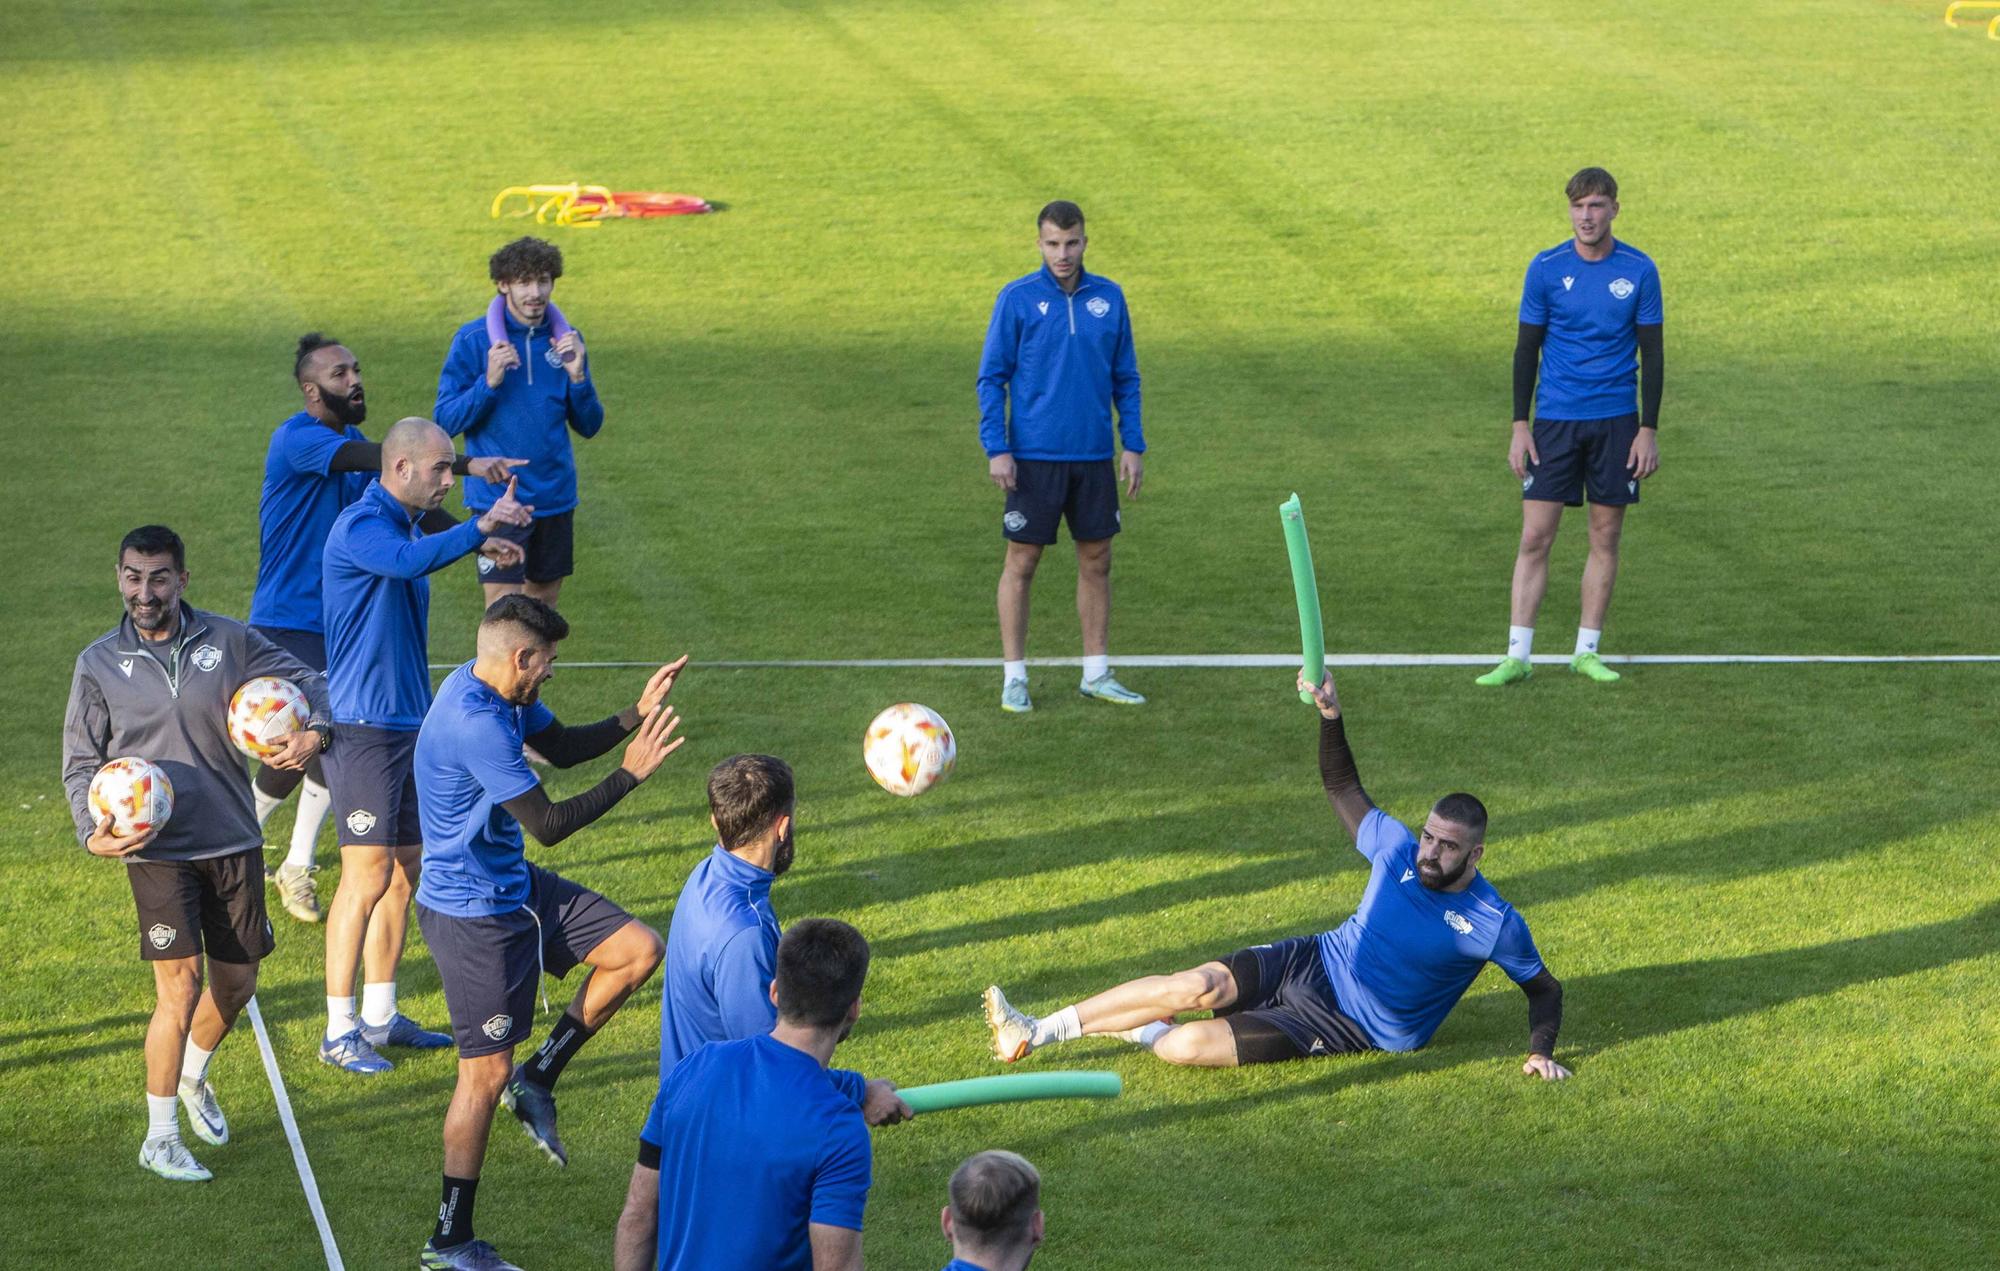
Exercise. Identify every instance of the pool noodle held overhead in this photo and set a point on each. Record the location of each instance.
(1015, 1088)
(496, 324)
(1305, 587)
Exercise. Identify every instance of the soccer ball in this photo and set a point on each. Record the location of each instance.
(908, 749)
(134, 793)
(264, 712)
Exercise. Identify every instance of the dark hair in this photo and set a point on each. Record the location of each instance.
(1592, 181)
(746, 795)
(994, 1196)
(525, 258)
(154, 540)
(1062, 214)
(309, 343)
(538, 616)
(1463, 809)
(821, 964)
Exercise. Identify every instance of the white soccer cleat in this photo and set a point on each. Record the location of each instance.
(204, 1113)
(1013, 1032)
(170, 1159)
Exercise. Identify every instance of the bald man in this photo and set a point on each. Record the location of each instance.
(373, 573)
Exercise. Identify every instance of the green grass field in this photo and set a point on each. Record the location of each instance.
(1771, 892)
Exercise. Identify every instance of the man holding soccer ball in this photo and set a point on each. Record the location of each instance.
(158, 687)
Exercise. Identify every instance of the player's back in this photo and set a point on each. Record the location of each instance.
(725, 899)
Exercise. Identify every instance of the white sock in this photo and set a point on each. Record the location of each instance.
(194, 1063)
(1096, 666)
(162, 1116)
(339, 1017)
(315, 801)
(1063, 1026)
(266, 805)
(378, 1003)
(1146, 1034)
(1521, 642)
(1586, 640)
(1011, 671)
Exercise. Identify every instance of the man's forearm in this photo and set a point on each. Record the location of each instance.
(1527, 363)
(1652, 374)
(565, 747)
(1337, 773)
(551, 823)
(1545, 1011)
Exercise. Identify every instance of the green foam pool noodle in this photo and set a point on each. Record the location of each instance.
(1018, 1088)
(1312, 639)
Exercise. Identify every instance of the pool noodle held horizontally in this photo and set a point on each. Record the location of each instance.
(496, 324)
(1015, 1088)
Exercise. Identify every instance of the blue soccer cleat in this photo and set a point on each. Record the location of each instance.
(401, 1030)
(473, 1255)
(536, 1107)
(350, 1052)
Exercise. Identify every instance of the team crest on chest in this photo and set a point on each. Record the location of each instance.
(553, 358)
(1098, 306)
(1622, 287)
(207, 657)
(1458, 922)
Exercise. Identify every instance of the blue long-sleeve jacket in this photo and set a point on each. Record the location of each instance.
(1065, 359)
(528, 417)
(377, 609)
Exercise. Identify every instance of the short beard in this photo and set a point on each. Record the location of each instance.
(781, 856)
(1445, 880)
(169, 611)
(345, 410)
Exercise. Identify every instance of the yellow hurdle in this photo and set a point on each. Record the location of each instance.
(1952, 10)
(557, 204)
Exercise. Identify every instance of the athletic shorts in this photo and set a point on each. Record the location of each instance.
(1285, 1006)
(491, 966)
(1048, 491)
(372, 776)
(548, 544)
(1583, 456)
(213, 906)
(308, 647)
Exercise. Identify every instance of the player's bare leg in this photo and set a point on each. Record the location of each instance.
(548, 593)
(177, 992)
(1093, 612)
(1017, 577)
(496, 590)
(1600, 572)
(1539, 521)
(366, 870)
(389, 920)
(621, 962)
(468, 1122)
(1140, 1010)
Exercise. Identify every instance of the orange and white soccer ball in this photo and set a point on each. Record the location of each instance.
(134, 793)
(908, 749)
(264, 712)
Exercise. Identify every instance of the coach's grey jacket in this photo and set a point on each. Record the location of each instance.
(174, 710)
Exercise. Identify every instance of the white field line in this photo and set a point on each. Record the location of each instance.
(1222, 660)
(285, 1117)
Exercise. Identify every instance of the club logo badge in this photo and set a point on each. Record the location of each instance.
(553, 358)
(361, 820)
(485, 564)
(1043, 305)
(1527, 484)
(1457, 922)
(1408, 874)
(1569, 280)
(1631, 487)
(161, 935)
(1015, 522)
(1098, 306)
(497, 1027)
(207, 657)
(125, 665)
(1622, 287)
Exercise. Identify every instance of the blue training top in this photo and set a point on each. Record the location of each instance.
(1061, 360)
(755, 1145)
(297, 508)
(468, 763)
(378, 606)
(1593, 310)
(1408, 954)
(528, 417)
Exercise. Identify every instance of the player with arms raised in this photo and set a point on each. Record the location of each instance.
(1383, 980)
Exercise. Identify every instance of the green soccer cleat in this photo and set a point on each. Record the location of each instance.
(1511, 670)
(1106, 689)
(1592, 666)
(1014, 697)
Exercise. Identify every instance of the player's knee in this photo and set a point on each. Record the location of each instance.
(1202, 989)
(234, 989)
(178, 986)
(484, 1077)
(1094, 558)
(644, 950)
(1178, 1046)
(1536, 540)
(365, 879)
(1604, 540)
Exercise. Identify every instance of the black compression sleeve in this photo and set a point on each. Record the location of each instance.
(1338, 775)
(649, 1154)
(1527, 362)
(551, 823)
(1652, 374)
(437, 521)
(1545, 1012)
(356, 456)
(566, 747)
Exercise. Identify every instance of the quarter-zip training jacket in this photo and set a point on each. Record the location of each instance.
(378, 608)
(169, 702)
(1064, 359)
(527, 417)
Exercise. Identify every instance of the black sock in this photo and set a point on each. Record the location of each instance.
(563, 1041)
(455, 1212)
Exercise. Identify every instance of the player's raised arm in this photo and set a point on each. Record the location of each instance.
(1336, 762)
(551, 823)
(565, 747)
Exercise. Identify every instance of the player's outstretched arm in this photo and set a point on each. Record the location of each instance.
(551, 823)
(565, 747)
(1545, 1006)
(1336, 762)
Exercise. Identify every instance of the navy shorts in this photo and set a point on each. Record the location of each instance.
(1583, 456)
(308, 647)
(371, 773)
(1282, 992)
(213, 906)
(548, 546)
(491, 966)
(1047, 491)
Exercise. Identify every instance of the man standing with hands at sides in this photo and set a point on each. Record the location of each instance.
(994, 1220)
(319, 461)
(373, 572)
(494, 922)
(158, 686)
(521, 394)
(751, 1160)
(1058, 357)
(1590, 319)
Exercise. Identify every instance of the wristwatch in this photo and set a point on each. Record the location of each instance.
(325, 732)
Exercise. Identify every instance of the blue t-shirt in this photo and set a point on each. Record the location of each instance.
(1593, 310)
(1408, 954)
(294, 513)
(468, 763)
(378, 605)
(960, 1264)
(755, 1145)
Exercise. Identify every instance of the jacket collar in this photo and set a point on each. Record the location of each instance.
(739, 871)
(379, 495)
(1084, 278)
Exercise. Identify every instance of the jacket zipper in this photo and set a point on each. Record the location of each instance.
(1069, 298)
(528, 353)
(173, 670)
